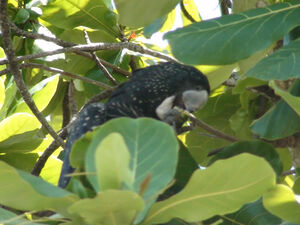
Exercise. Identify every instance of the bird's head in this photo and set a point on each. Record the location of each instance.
(191, 91)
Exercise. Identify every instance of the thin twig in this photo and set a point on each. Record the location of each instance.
(289, 172)
(39, 165)
(96, 47)
(14, 69)
(207, 127)
(98, 62)
(186, 13)
(68, 74)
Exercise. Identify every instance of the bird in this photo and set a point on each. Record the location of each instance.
(153, 91)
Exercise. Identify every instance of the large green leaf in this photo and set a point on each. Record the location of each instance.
(233, 37)
(138, 13)
(23, 191)
(281, 201)
(221, 188)
(148, 141)
(281, 65)
(280, 121)
(112, 163)
(109, 207)
(68, 14)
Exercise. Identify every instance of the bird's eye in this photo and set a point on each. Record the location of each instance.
(198, 88)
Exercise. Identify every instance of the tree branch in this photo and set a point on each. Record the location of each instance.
(63, 43)
(95, 47)
(68, 74)
(14, 69)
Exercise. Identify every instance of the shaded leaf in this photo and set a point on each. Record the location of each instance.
(281, 65)
(221, 188)
(281, 201)
(25, 142)
(109, 207)
(21, 161)
(139, 13)
(252, 213)
(292, 101)
(226, 40)
(280, 121)
(22, 16)
(258, 148)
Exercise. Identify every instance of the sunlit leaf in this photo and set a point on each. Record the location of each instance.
(222, 188)
(138, 13)
(281, 201)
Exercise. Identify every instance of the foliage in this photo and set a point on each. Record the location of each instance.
(137, 171)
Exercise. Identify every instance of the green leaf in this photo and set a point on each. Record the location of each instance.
(36, 194)
(221, 188)
(109, 207)
(22, 16)
(292, 101)
(20, 161)
(296, 186)
(9, 218)
(18, 123)
(281, 201)
(281, 65)
(258, 148)
(68, 14)
(112, 163)
(10, 95)
(148, 141)
(139, 13)
(234, 37)
(42, 94)
(280, 121)
(153, 149)
(25, 142)
(252, 213)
